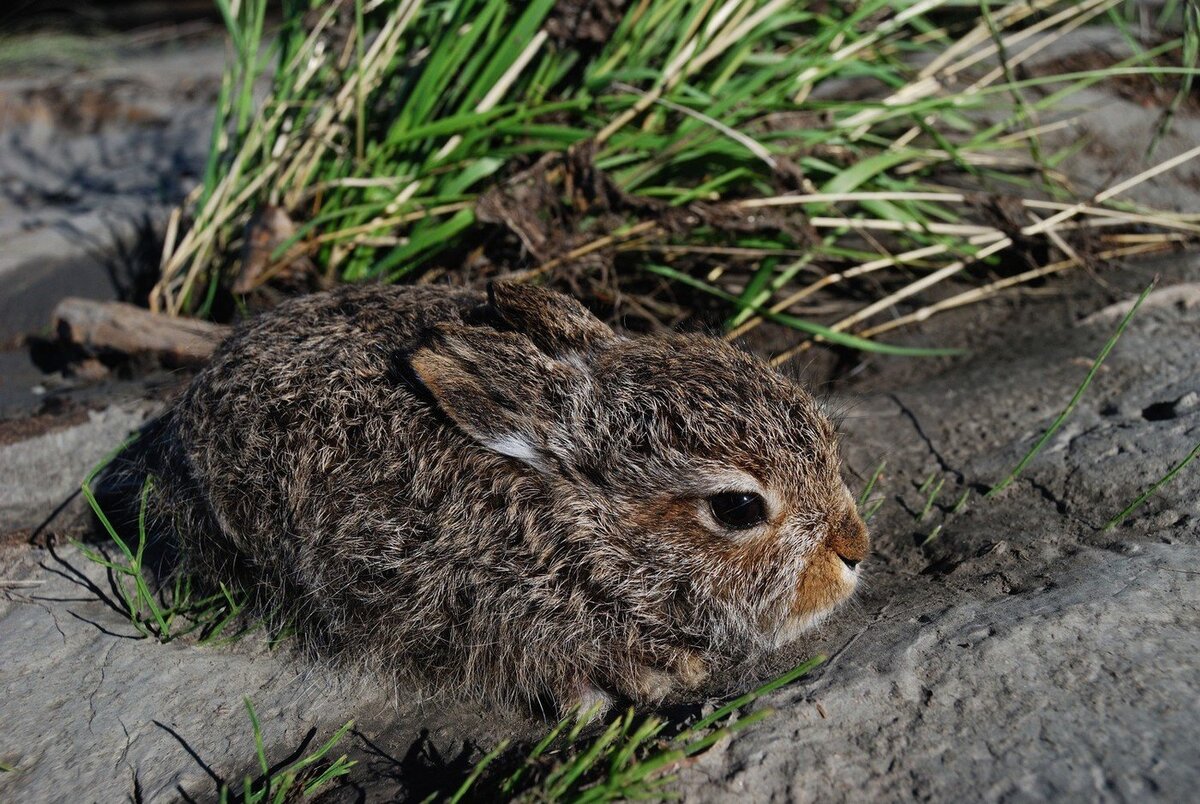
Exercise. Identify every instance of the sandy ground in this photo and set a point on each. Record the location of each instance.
(1022, 653)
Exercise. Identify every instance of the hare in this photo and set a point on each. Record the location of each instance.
(497, 494)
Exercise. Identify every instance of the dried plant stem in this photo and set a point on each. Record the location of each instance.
(587, 248)
(936, 75)
(387, 223)
(688, 61)
(1168, 220)
(501, 87)
(746, 141)
(832, 279)
(1115, 190)
(892, 298)
(1041, 227)
(230, 197)
(992, 288)
(805, 79)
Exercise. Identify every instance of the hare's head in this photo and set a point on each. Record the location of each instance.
(685, 456)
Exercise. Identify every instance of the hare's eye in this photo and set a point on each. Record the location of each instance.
(738, 509)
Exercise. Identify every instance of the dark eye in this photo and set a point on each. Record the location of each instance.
(738, 509)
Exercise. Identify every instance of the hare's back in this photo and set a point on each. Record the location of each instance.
(307, 408)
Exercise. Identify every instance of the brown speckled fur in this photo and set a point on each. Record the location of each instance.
(503, 497)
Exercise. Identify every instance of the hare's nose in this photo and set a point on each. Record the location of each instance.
(848, 538)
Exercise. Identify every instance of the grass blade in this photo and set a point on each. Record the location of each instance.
(830, 335)
(1148, 493)
(1062, 417)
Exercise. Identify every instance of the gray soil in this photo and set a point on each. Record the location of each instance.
(1022, 652)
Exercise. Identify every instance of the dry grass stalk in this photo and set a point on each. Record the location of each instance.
(992, 288)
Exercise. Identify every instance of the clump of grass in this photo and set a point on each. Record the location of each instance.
(297, 781)
(172, 611)
(630, 759)
(1074, 401)
(699, 146)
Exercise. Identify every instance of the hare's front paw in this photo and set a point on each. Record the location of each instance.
(685, 671)
(588, 701)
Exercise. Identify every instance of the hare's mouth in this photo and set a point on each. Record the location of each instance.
(823, 585)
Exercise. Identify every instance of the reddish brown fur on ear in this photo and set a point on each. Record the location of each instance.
(556, 323)
(496, 386)
(490, 383)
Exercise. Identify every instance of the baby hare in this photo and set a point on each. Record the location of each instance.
(496, 494)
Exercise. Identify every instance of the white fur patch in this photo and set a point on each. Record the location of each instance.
(791, 630)
(593, 703)
(515, 446)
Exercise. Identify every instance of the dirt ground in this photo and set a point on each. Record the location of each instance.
(1021, 652)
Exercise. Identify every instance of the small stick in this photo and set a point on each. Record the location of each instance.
(130, 330)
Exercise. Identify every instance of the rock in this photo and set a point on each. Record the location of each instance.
(101, 711)
(1084, 690)
(41, 473)
(90, 164)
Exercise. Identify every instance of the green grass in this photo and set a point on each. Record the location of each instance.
(1158, 484)
(172, 610)
(961, 503)
(741, 173)
(1074, 401)
(931, 487)
(865, 494)
(631, 758)
(934, 489)
(298, 780)
(868, 506)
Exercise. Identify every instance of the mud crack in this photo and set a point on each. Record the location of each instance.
(941, 460)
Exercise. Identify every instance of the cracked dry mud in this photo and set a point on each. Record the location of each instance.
(1021, 653)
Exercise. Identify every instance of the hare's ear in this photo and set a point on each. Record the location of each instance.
(557, 324)
(496, 387)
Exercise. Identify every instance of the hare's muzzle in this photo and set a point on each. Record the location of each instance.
(847, 537)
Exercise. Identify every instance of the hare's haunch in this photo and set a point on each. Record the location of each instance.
(500, 495)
